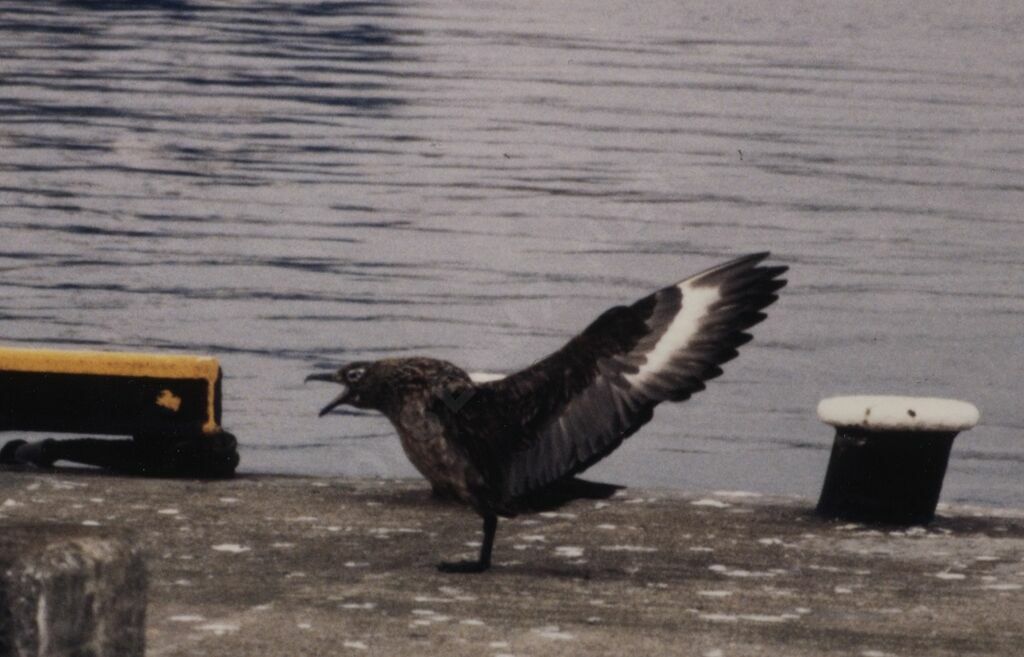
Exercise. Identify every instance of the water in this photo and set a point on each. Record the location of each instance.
(289, 185)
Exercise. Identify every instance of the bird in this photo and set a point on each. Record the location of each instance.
(498, 444)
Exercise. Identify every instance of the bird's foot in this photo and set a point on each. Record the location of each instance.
(463, 566)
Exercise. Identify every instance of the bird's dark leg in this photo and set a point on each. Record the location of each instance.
(484, 562)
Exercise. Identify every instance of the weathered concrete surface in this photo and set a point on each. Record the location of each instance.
(70, 590)
(294, 566)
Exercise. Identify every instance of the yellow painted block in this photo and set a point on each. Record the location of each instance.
(122, 364)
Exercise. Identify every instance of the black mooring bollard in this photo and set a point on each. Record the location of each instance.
(889, 456)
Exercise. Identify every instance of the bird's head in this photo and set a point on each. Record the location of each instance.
(363, 385)
(388, 384)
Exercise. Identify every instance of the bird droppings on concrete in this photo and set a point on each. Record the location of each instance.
(359, 605)
(66, 484)
(355, 645)
(553, 633)
(715, 593)
(385, 532)
(749, 618)
(91, 523)
(230, 548)
(739, 572)
(768, 618)
(628, 548)
(187, 618)
(718, 618)
(707, 501)
(737, 494)
(220, 629)
(569, 551)
(168, 512)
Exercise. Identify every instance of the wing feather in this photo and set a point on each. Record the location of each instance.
(571, 409)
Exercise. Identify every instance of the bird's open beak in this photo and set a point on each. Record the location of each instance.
(330, 377)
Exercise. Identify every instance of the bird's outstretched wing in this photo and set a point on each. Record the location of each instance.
(571, 409)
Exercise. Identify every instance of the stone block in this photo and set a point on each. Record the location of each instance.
(70, 591)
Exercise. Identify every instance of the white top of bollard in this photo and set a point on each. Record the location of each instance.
(893, 413)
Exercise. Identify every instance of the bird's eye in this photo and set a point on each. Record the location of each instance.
(353, 376)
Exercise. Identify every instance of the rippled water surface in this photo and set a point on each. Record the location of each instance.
(290, 185)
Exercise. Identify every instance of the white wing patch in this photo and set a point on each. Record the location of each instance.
(485, 377)
(685, 325)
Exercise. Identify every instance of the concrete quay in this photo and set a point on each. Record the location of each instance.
(263, 565)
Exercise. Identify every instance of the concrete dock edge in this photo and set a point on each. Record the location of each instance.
(263, 566)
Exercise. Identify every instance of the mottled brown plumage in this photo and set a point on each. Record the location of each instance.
(404, 390)
(503, 445)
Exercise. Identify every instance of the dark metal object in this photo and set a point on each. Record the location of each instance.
(212, 456)
(169, 405)
(104, 404)
(885, 476)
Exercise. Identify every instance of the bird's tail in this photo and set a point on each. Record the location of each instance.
(564, 491)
